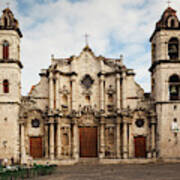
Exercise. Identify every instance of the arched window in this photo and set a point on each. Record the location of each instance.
(173, 48)
(172, 23)
(5, 22)
(5, 50)
(6, 86)
(174, 88)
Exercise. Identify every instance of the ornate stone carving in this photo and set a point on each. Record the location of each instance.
(64, 90)
(110, 90)
(87, 92)
(109, 141)
(65, 135)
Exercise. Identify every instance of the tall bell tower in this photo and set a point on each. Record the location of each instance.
(10, 85)
(165, 79)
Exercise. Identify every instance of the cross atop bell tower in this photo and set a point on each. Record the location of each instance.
(8, 4)
(86, 39)
(168, 2)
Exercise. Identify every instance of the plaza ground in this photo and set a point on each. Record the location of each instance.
(159, 171)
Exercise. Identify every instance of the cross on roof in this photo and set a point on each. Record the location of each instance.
(8, 4)
(86, 38)
(168, 2)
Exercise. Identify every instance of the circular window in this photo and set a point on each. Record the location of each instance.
(87, 81)
(140, 123)
(35, 123)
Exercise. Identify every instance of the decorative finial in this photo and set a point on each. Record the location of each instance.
(86, 39)
(121, 57)
(168, 2)
(52, 56)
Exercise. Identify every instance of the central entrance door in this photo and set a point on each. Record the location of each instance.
(36, 147)
(140, 147)
(88, 141)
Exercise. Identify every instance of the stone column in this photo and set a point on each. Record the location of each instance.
(51, 92)
(102, 140)
(124, 90)
(23, 150)
(75, 140)
(130, 141)
(60, 107)
(125, 140)
(118, 103)
(102, 92)
(118, 151)
(46, 141)
(73, 80)
(148, 142)
(57, 91)
(51, 138)
(58, 138)
(153, 140)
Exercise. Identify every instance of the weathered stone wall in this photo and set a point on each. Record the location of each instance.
(168, 144)
(9, 131)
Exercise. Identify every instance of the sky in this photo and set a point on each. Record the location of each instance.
(58, 27)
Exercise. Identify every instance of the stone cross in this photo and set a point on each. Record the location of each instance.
(86, 38)
(8, 4)
(168, 2)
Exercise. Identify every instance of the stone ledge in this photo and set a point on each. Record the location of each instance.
(127, 161)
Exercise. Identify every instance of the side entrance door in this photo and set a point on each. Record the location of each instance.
(36, 147)
(88, 141)
(140, 147)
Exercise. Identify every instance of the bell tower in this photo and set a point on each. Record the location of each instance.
(10, 85)
(165, 80)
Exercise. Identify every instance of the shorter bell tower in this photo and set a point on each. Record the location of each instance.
(165, 78)
(10, 85)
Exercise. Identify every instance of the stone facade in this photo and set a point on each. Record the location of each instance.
(90, 106)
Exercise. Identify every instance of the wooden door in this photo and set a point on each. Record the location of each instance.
(36, 147)
(140, 147)
(88, 142)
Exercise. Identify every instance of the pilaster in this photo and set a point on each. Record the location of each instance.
(124, 96)
(75, 139)
(118, 150)
(102, 92)
(73, 81)
(125, 140)
(59, 143)
(118, 103)
(23, 150)
(102, 140)
(57, 91)
(46, 141)
(51, 92)
(51, 138)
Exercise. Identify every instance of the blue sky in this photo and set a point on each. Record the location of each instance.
(58, 26)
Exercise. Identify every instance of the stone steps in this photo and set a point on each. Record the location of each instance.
(88, 161)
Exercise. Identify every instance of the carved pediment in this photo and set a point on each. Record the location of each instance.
(87, 120)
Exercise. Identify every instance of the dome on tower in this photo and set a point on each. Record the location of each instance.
(8, 22)
(168, 21)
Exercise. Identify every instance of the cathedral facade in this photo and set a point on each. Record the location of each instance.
(90, 106)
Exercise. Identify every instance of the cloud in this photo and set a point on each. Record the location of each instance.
(58, 27)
